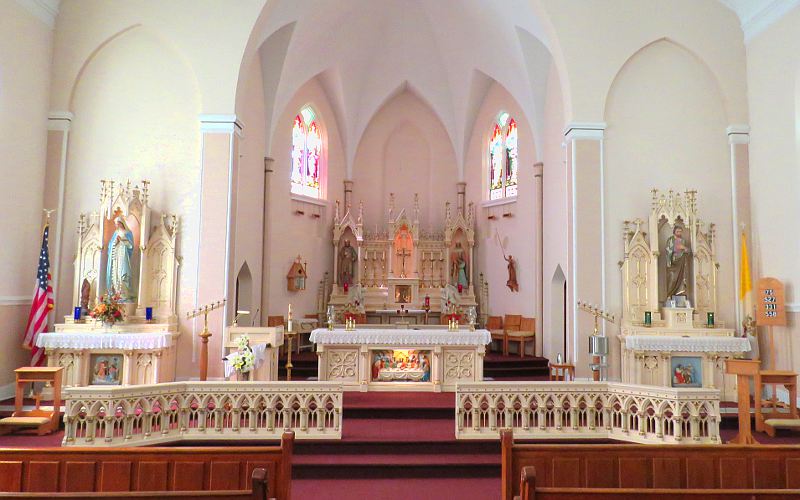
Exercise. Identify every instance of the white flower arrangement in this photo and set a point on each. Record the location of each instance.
(242, 360)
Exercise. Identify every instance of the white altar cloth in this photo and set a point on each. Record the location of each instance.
(260, 354)
(707, 343)
(103, 340)
(400, 337)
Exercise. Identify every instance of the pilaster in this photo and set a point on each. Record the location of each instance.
(219, 156)
(586, 280)
(58, 127)
(739, 140)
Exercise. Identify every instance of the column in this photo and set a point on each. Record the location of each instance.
(348, 195)
(461, 197)
(265, 267)
(739, 139)
(586, 278)
(538, 172)
(219, 155)
(58, 126)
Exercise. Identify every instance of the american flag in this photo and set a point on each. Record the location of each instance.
(42, 304)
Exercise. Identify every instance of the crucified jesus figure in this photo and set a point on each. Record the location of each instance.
(403, 253)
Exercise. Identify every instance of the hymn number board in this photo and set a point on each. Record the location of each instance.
(770, 303)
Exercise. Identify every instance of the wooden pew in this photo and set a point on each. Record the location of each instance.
(585, 470)
(258, 491)
(219, 469)
(529, 491)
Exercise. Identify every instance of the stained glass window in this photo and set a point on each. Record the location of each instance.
(503, 158)
(306, 155)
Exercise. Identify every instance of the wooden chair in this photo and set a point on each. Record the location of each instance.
(525, 334)
(511, 323)
(44, 421)
(495, 326)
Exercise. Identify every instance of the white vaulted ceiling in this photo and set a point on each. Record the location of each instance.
(447, 52)
(756, 15)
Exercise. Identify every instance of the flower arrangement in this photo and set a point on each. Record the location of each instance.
(242, 360)
(351, 310)
(109, 310)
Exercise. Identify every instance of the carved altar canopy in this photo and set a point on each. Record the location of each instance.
(644, 267)
(154, 261)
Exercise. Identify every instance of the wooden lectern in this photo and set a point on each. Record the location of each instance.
(743, 369)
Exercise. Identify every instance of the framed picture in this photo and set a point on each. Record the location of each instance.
(687, 371)
(106, 369)
(401, 365)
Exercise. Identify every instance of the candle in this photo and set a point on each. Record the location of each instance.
(346, 287)
(710, 320)
(289, 322)
(460, 288)
(77, 314)
(148, 313)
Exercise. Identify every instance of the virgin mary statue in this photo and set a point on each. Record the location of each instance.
(120, 250)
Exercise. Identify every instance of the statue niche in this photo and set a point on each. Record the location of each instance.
(459, 261)
(403, 253)
(347, 262)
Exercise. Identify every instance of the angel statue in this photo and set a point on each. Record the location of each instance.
(678, 255)
(120, 251)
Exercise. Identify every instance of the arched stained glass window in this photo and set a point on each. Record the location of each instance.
(306, 155)
(503, 158)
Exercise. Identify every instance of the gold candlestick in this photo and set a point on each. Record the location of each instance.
(289, 336)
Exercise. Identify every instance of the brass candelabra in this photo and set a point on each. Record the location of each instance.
(205, 334)
(598, 344)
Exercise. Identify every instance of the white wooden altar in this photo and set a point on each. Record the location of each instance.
(137, 350)
(399, 358)
(401, 265)
(674, 341)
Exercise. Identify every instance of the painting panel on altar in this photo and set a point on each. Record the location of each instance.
(400, 365)
(402, 294)
(687, 371)
(106, 369)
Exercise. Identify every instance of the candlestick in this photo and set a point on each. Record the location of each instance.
(289, 322)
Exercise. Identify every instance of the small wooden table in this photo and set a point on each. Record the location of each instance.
(562, 371)
(43, 421)
(743, 369)
(775, 378)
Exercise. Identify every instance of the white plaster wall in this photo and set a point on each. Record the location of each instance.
(555, 188)
(136, 112)
(666, 130)
(517, 233)
(405, 150)
(773, 79)
(25, 55)
(290, 234)
(248, 233)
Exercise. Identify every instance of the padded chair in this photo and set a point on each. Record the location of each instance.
(511, 323)
(495, 326)
(525, 334)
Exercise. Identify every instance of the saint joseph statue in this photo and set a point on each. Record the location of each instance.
(347, 264)
(678, 255)
(120, 251)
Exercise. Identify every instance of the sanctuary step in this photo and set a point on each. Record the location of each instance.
(397, 435)
(512, 367)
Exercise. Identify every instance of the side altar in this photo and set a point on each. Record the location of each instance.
(400, 358)
(127, 251)
(670, 334)
(400, 273)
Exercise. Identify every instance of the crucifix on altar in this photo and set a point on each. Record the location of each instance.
(403, 252)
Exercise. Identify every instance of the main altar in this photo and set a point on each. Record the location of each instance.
(400, 273)
(400, 358)
(670, 334)
(126, 250)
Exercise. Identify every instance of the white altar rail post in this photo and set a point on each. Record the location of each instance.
(200, 411)
(588, 410)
